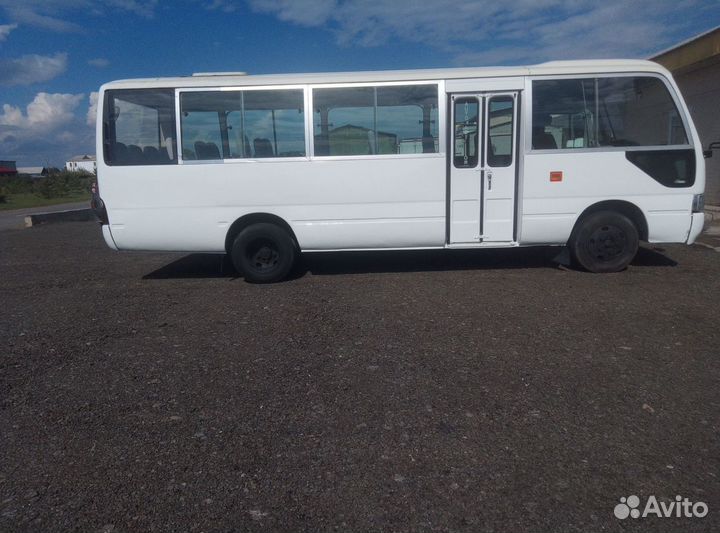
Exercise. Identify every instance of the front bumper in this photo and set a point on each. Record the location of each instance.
(696, 227)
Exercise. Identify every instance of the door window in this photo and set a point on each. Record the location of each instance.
(465, 131)
(500, 131)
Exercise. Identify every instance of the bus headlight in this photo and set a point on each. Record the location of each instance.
(698, 205)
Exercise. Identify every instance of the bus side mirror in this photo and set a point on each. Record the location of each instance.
(712, 146)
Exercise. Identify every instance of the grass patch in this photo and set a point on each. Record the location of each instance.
(20, 192)
(25, 200)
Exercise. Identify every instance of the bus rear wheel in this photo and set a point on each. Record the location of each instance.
(605, 241)
(263, 253)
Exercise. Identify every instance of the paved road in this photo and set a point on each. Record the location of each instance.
(468, 391)
(15, 218)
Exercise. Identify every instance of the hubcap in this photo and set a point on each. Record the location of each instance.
(607, 243)
(263, 256)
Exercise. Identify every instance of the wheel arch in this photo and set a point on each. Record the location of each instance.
(630, 210)
(256, 218)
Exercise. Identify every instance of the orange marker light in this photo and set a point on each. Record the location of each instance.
(556, 175)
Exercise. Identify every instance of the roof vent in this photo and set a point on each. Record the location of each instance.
(219, 73)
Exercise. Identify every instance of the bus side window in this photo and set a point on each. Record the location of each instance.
(564, 114)
(613, 111)
(202, 133)
(138, 126)
(638, 111)
(399, 119)
(267, 124)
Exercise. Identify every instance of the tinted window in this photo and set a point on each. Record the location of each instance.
(601, 112)
(272, 124)
(465, 127)
(563, 114)
(139, 127)
(376, 120)
(344, 121)
(407, 119)
(500, 131)
(637, 112)
(202, 123)
(672, 168)
(242, 124)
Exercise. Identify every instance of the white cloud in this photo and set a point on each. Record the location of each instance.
(92, 109)
(12, 116)
(604, 30)
(47, 131)
(488, 31)
(36, 14)
(57, 15)
(99, 62)
(45, 113)
(226, 6)
(31, 68)
(5, 30)
(304, 12)
(66, 136)
(144, 8)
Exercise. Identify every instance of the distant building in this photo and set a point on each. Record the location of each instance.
(8, 168)
(82, 162)
(695, 65)
(34, 172)
(357, 140)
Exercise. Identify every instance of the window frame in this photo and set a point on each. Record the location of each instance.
(513, 130)
(105, 135)
(441, 111)
(479, 136)
(234, 88)
(527, 126)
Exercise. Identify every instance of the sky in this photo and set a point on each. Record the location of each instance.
(55, 54)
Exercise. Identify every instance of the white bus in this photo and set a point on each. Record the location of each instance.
(595, 155)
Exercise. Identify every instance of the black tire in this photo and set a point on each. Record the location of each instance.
(604, 241)
(263, 253)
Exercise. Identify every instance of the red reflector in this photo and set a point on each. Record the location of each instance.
(556, 176)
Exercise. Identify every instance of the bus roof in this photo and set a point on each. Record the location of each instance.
(240, 79)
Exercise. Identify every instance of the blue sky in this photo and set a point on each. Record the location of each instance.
(54, 54)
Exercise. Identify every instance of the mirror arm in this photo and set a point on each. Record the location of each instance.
(712, 146)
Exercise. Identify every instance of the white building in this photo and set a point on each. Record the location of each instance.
(82, 162)
(33, 172)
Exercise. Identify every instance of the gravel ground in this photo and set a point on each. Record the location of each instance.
(419, 391)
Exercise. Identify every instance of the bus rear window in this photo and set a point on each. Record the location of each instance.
(139, 127)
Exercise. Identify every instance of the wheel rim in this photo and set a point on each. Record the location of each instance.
(607, 242)
(263, 255)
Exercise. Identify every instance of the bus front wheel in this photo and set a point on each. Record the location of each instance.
(263, 253)
(604, 241)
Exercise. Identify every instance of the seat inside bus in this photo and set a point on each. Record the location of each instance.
(206, 150)
(263, 148)
(135, 155)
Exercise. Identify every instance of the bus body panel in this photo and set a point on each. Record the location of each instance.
(331, 204)
(551, 208)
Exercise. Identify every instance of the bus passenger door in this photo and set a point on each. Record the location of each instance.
(482, 167)
(500, 155)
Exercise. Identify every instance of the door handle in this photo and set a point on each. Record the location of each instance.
(489, 175)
